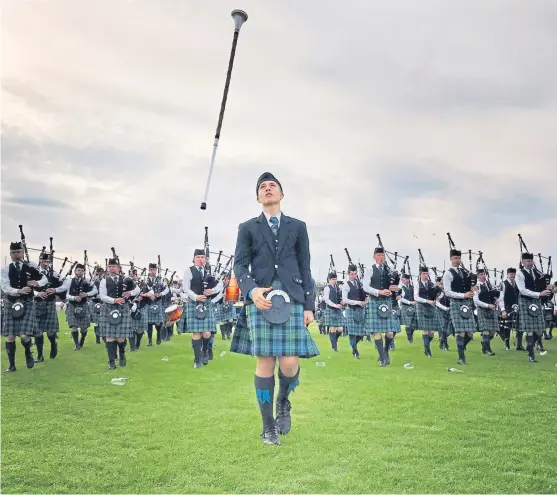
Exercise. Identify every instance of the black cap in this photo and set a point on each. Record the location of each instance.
(112, 261)
(438, 279)
(511, 270)
(404, 275)
(15, 246)
(527, 256)
(455, 252)
(265, 177)
(352, 268)
(134, 272)
(199, 252)
(331, 275)
(45, 256)
(424, 269)
(378, 250)
(79, 265)
(152, 265)
(479, 271)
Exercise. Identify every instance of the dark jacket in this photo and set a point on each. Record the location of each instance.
(259, 256)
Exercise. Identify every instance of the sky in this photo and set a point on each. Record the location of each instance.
(403, 118)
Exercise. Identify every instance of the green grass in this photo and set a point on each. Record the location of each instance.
(357, 428)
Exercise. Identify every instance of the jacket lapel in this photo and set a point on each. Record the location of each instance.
(267, 232)
(284, 231)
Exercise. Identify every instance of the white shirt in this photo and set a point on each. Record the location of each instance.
(417, 297)
(521, 284)
(447, 281)
(110, 300)
(91, 293)
(327, 298)
(58, 290)
(439, 305)
(477, 301)
(402, 299)
(186, 285)
(346, 290)
(5, 279)
(367, 277)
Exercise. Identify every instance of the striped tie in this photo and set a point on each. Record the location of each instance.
(274, 225)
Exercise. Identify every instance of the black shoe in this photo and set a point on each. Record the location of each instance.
(40, 359)
(462, 362)
(158, 342)
(29, 361)
(392, 346)
(382, 364)
(428, 354)
(489, 352)
(205, 358)
(150, 344)
(532, 359)
(387, 360)
(520, 348)
(122, 362)
(11, 369)
(97, 339)
(111, 365)
(355, 354)
(283, 416)
(210, 353)
(197, 365)
(53, 350)
(76, 348)
(270, 436)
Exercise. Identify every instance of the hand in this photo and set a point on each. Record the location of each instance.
(413, 303)
(393, 288)
(50, 291)
(308, 317)
(504, 315)
(431, 303)
(258, 298)
(545, 292)
(43, 295)
(200, 298)
(338, 306)
(126, 294)
(491, 306)
(385, 292)
(208, 292)
(78, 298)
(32, 283)
(363, 303)
(469, 294)
(83, 294)
(119, 300)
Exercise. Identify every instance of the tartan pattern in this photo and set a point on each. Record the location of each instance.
(95, 317)
(221, 316)
(487, 324)
(462, 324)
(288, 339)
(353, 328)
(138, 326)
(73, 321)
(427, 319)
(330, 319)
(444, 321)
(123, 330)
(199, 326)
(241, 339)
(182, 323)
(49, 321)
(374, 323)
(527, 323)
(410, 320)
(148, 316)
(26, 325)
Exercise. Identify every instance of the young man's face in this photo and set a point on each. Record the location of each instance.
(424, 276)
(17, 255)
(199, 260)
(113, 269)
(269, 193)
(405, 281)
(511, 276)
(481, 277)
(455, 260)
(45, 264)
(79, 272)
(353, 275)
(152, 272)
(528, 264)
(379, 258)
(333, 281)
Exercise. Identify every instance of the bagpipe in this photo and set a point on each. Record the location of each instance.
(353, 267)
(493, 292)
(542, 277)
(394, 275)
(470, 278)
(434, 291)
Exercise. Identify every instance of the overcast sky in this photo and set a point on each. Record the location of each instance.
(404, 118)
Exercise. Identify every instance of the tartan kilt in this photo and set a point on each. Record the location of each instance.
(182, 323)
(410, 320)
(222, 316)
(148, 316)
(199, 326)
(241, 339)
(288, 339)
(26, 325)
(330, 319)
(95, 317)
(353, 328)
(124, 330)
(374, 323)
(461, 324)
(527, 323)
(487, 323)
(444, 321)
(48, 322)
(427, 319)
(73, 321)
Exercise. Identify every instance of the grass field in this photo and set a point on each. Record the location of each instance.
(357, 428)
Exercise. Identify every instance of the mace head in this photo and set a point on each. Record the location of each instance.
(239, 17)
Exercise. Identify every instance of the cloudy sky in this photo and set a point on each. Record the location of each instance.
(404, 118)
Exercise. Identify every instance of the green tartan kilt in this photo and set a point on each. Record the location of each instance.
(222, 316)
(123, 330)
(444, 321)
(288, 339)
(427, 319)
(148, 316)
(26, 325)
(353, 328)
(374, 323)
(488, 320)
(408, 315)
(182, 323)
(48, 319)
(83, 321)
(95, 317)
(527, 323)
(460, 324)
(196, 325)
(333, 318)
(241, 339)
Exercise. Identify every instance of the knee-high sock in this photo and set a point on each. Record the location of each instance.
(150, 332)
(265, 392)
(10, 351)
(425, 339)
(39, 343)
(53, 345)
(460, 347)
(530, 345)
(75, 337)
(332, 338)
(467, 339)
(353, 343)
(380, 349)
(388, 341)
(83, 335)
(287, 384)
(519, 338)
(122, 349)
(112, 349)
(196, 344)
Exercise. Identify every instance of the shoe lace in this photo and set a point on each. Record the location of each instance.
(283, 407)
(270, 431)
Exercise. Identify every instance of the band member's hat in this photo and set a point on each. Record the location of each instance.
(424, 269)
(265, 177)
(112, 261)
(152, 265)
(479, 271)
(404, 275)
(378, 250)
(455, 252)
(332, 275)
(511, 270)
(527, 256)
(352, 268)
(79, 265)
(45, 256)
(15, 246)
(199, 252)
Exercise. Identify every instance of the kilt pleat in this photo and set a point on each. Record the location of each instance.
(94, 316)
(332, 318)
(195, 325)
(444, 321)
(26, 325)
(374, 323)
(241, 340)
(353, 328)
(488, 320)
(222, 316)
(123, 330)
(148, 316)
(288, 339)
(427, 319)
(408, 315)
(83, 321)
(461, 324)
(48, 319)
(527, 323)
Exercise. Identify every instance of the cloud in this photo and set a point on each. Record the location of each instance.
(393, 118)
